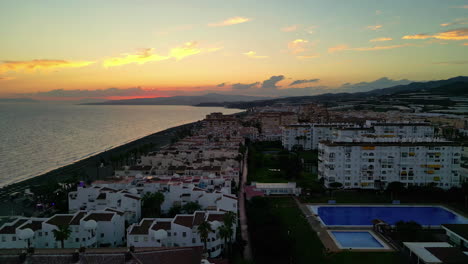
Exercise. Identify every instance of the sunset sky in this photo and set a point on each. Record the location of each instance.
(124, 49)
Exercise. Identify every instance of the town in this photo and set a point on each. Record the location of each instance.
(275, 184)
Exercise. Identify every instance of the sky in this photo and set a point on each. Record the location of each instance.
(117, 49)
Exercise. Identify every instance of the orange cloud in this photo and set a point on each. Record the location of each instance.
(338, 48)
(465, 44)
(147, 55)
(34, 65)
(298, 45)
(141, 57)
(230, 21)
(290, 28)
(455, 34)
(375, 27)
(253, 54)
(380, 39)
(6, 78)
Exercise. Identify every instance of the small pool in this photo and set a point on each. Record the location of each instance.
(356, 240)
(363, 215)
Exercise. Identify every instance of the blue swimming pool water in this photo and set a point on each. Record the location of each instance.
(356, 239)
(363, 216)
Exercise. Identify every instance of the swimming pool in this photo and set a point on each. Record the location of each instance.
(363, 215)
(357, 240)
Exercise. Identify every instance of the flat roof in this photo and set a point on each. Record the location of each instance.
(420, 250)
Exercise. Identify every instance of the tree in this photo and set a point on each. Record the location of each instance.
(191, 207)
(408, 231)
(204, 229)
(395, 188)
(152, 204)
(175, 210)
(225, 234)
(229, 219)
(62, 233)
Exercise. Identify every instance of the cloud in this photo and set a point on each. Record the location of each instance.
(147, 55)
(304, 81)
(34, 65)
(271, 83)
(338, 48)
(458, 21)
(230, 21)
(311, 56)
(253, 54)
(291, 28)
(6, 78)
(383, 47)
(461, 62)
(298, 46)
(378, 12)
(383, 82)
(141, 57)
(465, 44)
(345, 47)
(242, 86)
(221, 84)
(134, 92)
(374, 27)
(380, 39)
(463, 6)
(455, 34)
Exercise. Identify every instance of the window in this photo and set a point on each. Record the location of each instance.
(102, 235)
(194, 240)
(13, 238)
(135, 239)
(77, 240)
(145, 239)
(3, 239)
(184, 234)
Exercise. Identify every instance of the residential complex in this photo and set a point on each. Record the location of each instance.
(373, 163)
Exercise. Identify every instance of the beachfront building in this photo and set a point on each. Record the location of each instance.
(373, 163)
(277, 188)
(105, 228)
(180, 231)
(100, 197)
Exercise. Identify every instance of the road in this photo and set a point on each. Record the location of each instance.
(242, 211)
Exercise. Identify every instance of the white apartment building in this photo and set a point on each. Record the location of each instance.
(277, 188)
(309, 135)
(373, 163)
(180, 231)
(104, 228)
(100, 198)
(404, 130)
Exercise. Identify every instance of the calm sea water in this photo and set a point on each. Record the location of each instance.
(38, 137)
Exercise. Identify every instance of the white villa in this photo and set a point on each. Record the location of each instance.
(180, 231)
(105, 228)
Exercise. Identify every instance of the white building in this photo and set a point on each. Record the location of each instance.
(277, 188)
(100, 198)
(373, 163)
(309, 135)
(404, 130)
(92, 229)
(180, 231)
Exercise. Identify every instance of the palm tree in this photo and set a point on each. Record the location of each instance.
(62, 233)
(204, 229)
(225, 234)
(191, 207)
(229, 219)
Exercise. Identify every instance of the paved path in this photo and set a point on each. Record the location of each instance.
(242, 211)
(322, 233)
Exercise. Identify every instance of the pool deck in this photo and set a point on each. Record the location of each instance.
(323, 234)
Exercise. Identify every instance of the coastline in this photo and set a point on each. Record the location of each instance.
(63, 173)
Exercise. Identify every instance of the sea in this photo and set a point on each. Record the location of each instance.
(38, 137)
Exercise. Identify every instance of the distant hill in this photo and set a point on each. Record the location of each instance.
(183, 100)
(18, 100)
(449, 87)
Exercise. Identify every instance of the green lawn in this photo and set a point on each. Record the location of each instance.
(306, 247)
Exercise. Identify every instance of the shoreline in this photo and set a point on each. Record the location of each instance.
(65, 172)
